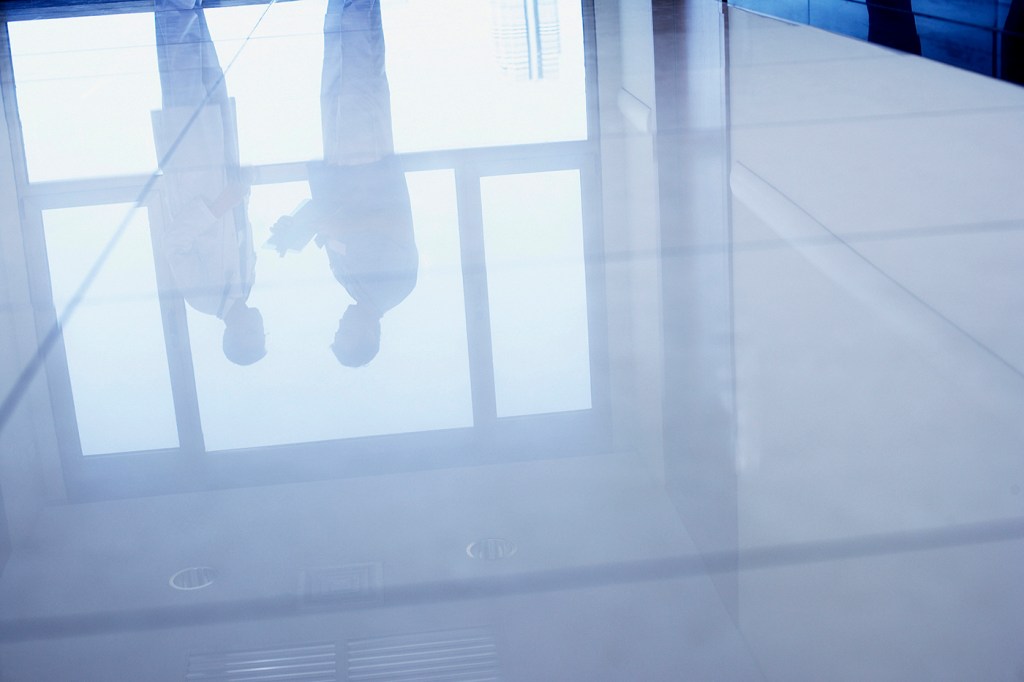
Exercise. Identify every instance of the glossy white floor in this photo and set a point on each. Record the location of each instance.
(689, 343)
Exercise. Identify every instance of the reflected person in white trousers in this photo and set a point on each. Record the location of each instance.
(205, 237)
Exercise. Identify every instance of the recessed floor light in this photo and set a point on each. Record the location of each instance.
(491, 549)
(193, 578)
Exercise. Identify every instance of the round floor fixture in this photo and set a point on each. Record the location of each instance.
(193, 578)
(491, 549)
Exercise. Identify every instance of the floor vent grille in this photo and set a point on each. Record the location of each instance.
(313, 663)
(452, 656)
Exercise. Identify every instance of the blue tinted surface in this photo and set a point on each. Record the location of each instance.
(502, 340)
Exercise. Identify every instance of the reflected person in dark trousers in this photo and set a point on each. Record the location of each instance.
(360, 213)
(891, 23)
(205, 235)
(1012, 57)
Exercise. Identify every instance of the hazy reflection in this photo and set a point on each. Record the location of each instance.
(360, 211)
(359, 214)
(206, 238)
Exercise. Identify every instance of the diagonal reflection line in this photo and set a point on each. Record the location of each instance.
(21, 384)
(531, 582)
(786, 217)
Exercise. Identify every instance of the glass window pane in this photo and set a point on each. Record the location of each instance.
(117, 359)
(69, 72)
(299, 392)
(536, 288)
(504, 73)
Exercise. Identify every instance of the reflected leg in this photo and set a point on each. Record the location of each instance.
(891, 23)
(187, 58)
(1012, 58)
(355, 100)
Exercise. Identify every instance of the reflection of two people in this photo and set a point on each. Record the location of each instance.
(206, 237)
(359, 213)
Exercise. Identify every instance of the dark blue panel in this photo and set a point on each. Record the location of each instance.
(978, 35)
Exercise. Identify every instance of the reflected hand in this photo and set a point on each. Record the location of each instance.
(292, 232)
